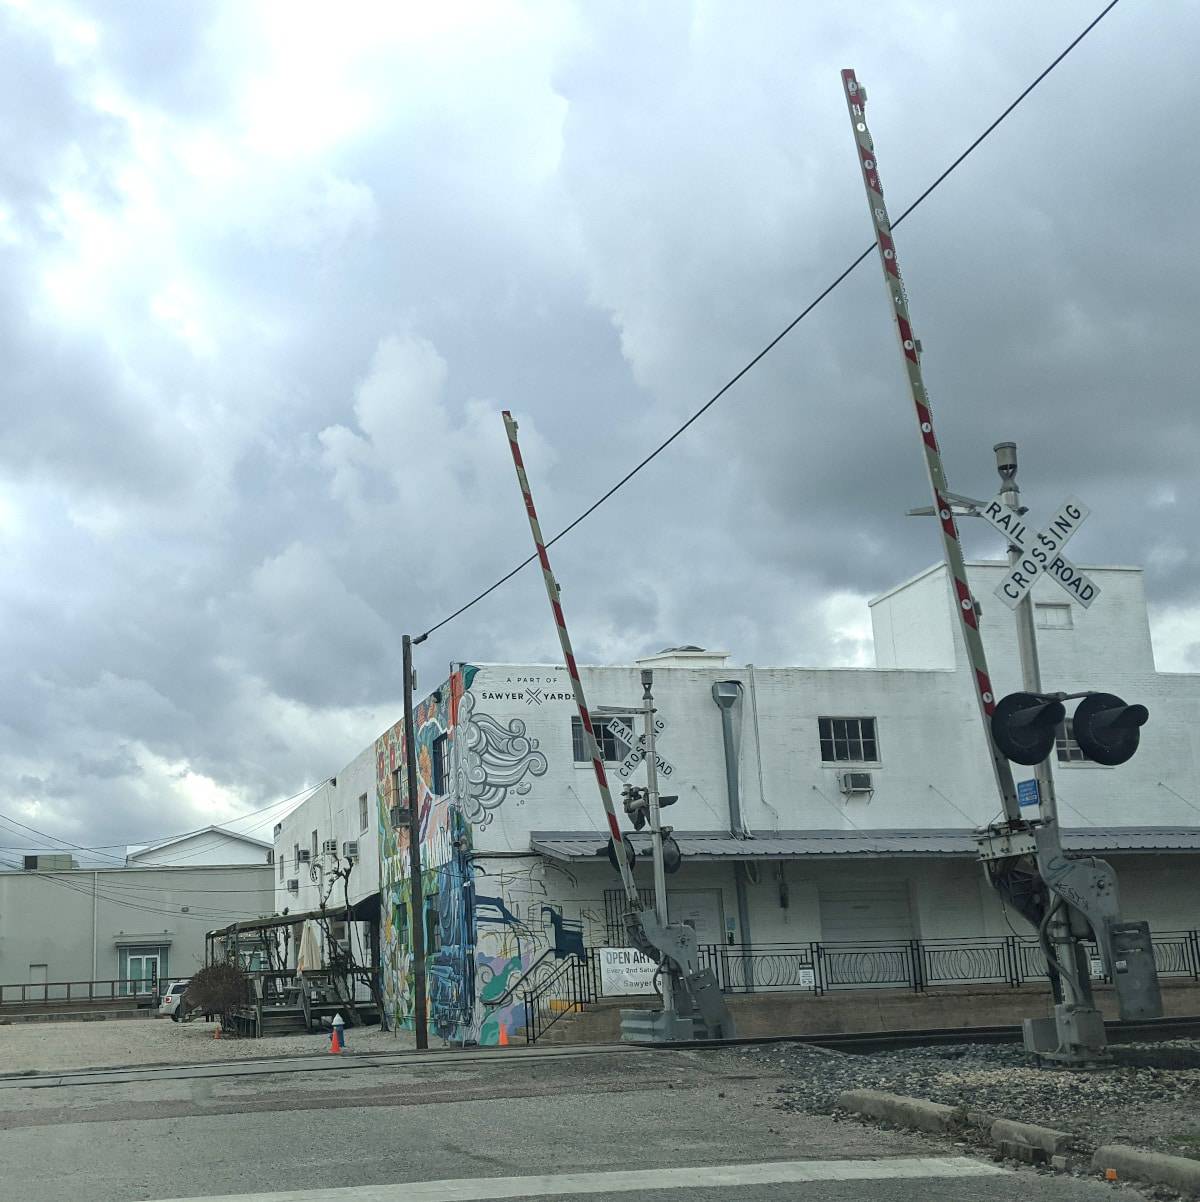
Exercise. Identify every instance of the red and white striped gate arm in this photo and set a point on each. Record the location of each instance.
(856, 100)
(564, 638)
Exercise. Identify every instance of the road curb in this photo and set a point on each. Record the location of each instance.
(1179, 1172)
(905, 1112)
(1046, 1139)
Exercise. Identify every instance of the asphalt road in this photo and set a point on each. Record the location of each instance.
(455, 1127)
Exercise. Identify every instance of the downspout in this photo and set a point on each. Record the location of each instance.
(94, 892)
(728, 696)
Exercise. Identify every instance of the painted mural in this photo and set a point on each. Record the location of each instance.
(468, 960)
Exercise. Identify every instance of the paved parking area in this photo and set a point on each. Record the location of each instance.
(53, 1047)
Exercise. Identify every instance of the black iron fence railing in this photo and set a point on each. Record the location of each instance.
(916, 964)
(921, 965)
(568, 989)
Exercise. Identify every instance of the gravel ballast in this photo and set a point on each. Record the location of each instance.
(1149, 1097)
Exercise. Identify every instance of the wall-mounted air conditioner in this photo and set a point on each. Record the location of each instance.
(399, 817)
(350, 849)
(329, 847)
(293, 885)
(855, 782)
(305, 855)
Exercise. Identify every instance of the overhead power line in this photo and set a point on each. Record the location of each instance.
(770, 346)
(101, 849)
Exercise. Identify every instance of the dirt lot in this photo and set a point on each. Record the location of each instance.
(52, 1047)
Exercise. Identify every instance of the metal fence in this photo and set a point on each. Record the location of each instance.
(916, 964)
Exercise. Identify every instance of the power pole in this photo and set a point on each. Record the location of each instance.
(416, 889)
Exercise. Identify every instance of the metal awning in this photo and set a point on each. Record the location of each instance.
(704, 846)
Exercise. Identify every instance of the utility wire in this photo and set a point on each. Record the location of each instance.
(766, 350)
(100, 848)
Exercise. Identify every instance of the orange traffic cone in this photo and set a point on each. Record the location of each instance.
(335, 1041)
(503, 1040)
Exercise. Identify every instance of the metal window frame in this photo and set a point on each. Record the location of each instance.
(605, 736)
(850, 741)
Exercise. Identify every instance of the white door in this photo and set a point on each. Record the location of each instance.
(866, 911)
(37, 974)
(699, 909)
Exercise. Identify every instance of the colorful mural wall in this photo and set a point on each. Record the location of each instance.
(476, 946)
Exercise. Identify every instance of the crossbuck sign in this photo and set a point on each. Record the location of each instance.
(1041, 552)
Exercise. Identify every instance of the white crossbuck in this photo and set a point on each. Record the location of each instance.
(637, 747)
(1041, 552)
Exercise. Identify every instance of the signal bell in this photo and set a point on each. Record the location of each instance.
(1106, 729)
(1024, 726)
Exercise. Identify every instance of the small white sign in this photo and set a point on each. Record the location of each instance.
(808, 978)
(1041, 552)
(1096, 968)
(624, 970)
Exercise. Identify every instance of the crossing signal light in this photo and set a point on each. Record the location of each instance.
(1024, 725)
(1106, 729)
(637, 804)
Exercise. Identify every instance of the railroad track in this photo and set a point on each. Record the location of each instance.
(1148, 1030)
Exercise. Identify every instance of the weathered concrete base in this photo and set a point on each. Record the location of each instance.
(1026, 1142)
(1045, 1139)
(904, 1112)
(1179, 1172)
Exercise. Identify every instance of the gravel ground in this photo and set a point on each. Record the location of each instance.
(52, 1047)
(1150, 1097)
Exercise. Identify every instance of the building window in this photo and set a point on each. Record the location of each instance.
(296, 858)
(1051, 615)
(848, 740)
(362, 813)
(1069, 752)
(441, 764)
(613, 748)
(281, 863)
(316, 846)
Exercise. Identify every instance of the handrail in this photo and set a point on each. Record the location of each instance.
(306, 1004)
(75, 993)
(576, 973)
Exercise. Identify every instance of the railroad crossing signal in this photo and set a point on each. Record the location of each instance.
(1024, 726)
(1041, 552)
(1106, 729)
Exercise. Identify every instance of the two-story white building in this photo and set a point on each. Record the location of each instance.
(814, 805)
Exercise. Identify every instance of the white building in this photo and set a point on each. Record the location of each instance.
(781, 848)
(132, 923)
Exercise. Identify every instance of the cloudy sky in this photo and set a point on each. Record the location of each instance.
(270, 271)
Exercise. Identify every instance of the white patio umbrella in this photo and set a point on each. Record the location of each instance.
(308, 954)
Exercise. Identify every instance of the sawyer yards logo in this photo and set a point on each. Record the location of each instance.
(533, 696)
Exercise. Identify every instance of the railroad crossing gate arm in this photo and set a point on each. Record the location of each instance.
(1090, 886)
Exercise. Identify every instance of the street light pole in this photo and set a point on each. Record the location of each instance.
(416, 923)
(656, 841)
(1075, 983)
